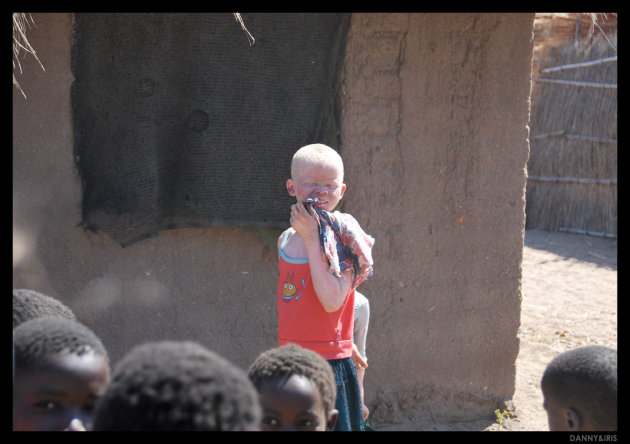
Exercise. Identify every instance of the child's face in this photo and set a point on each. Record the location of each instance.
(323, 182)
(294, 404)
(555, 418)
(562, 418)
(50, 398)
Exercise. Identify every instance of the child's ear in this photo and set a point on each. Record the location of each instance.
(343, 190)
(331, 422)
(573, 420)
(291, 187)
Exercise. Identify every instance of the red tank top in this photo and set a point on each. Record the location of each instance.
(302, 319)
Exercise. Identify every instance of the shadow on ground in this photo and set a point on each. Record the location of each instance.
(601, 251)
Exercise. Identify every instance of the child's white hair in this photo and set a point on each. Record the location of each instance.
(316, 154)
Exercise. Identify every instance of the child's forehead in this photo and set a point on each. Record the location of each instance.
(289, 389)
(319, 169)
(86, 364)
(66, 374)
(289, 383)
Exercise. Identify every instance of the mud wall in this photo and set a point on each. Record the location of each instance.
(434, 138)
(435, 112)
(216, 286)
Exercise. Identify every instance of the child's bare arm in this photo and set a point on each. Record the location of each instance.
(331, 290)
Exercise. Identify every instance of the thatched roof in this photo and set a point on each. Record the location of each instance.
(22, 22)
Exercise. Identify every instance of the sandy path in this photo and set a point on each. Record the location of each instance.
(569, 300)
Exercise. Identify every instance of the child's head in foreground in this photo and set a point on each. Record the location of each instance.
(61, 369)
(177, 386)
(317, 172)
(29, 304)
(580, 390)
(297, 389)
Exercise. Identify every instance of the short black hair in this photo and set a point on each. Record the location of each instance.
(585, 379)
(37, 340)
(291, 359)
(29, 304)
(177, 386)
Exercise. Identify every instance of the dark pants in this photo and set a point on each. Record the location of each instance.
(348, 396)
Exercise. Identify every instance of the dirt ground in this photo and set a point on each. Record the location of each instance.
(569, 291)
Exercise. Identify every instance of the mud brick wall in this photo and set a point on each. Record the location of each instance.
(434, 134)
(434, 112)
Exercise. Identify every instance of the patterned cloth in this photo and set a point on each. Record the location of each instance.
(345, 245)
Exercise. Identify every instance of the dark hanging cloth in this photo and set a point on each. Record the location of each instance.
(180, 122)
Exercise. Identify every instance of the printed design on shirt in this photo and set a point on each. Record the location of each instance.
(290, 290)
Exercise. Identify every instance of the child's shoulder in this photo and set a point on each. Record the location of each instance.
(345, 219)
(286, 234)
(340, 215)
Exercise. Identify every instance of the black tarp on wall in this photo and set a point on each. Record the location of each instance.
(179, 122)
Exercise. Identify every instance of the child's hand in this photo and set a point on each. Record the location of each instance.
(359, 361)
(304, 223)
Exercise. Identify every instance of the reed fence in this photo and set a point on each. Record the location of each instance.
(572, 168)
